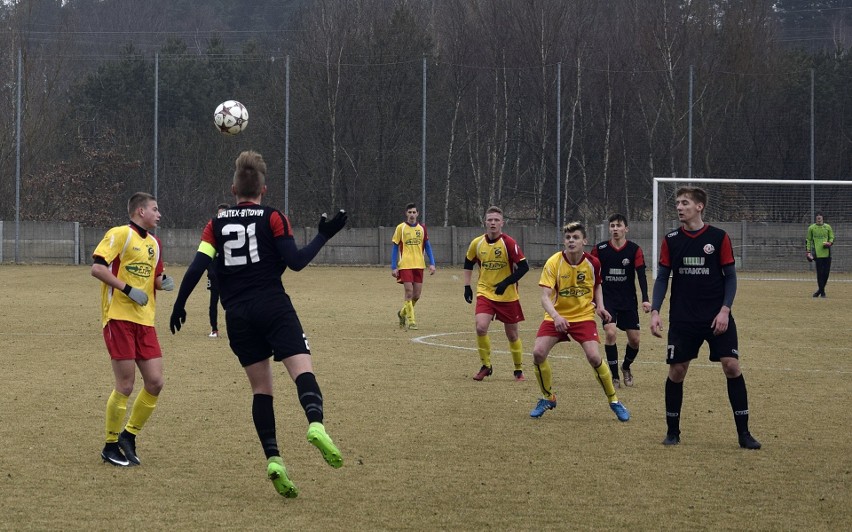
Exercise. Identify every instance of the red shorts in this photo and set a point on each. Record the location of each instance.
(505, 311)
(126, 340)
(580, 331)
(410, 276)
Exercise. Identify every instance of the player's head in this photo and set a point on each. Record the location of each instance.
(494, 220)
(690, 203)
(221, 207)
(618, 217)
(819, 218)
(575, 236)
(143, 210)
(411, 213)
(249, 175)
(617, 226)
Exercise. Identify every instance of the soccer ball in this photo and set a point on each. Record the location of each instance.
(230, 117)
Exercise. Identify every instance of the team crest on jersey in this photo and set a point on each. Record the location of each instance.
(709, 249)
(581, 276)
(150, 252)
(625, 262)
(498, 252)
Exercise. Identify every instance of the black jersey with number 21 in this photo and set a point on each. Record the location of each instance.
(247, 264)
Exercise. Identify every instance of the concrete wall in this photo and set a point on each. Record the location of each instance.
(757, 246)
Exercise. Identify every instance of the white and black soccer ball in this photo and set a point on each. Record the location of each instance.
(230, 117)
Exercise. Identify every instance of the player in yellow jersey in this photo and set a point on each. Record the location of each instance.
(501, 265)
(129, 265)
(571, 296)
(410, 242)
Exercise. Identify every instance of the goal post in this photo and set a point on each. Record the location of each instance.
(767, 221)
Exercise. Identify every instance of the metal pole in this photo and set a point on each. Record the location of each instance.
(18, 164)
(689, 153)
(156, 116)
(812, 143)
(287, 137)
(423, 149)
(558, 151)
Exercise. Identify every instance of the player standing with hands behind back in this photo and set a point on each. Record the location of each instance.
(129, 264)
(819, 242)
(622, 264)
(700, 259)
(252, 245)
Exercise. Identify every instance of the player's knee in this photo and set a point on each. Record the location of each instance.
(481, 330)
(539, 356)
(154, 386)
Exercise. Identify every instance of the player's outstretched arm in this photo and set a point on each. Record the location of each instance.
(193, 274)
(295, 258)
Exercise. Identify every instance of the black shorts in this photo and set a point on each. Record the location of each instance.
(685, 339)
(260, 329)
(626, 320)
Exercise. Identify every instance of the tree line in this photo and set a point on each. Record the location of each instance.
(507, 82)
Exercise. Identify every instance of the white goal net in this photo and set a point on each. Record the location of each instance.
(767, 220)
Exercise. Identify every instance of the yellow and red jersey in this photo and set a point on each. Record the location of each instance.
(573, 286)
(497, 260)
(135, 260)
(411, 241)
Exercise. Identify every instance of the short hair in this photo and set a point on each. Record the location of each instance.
(222, 206)
(819, 213)
(410, 206)
(250, 174)
(618, 217)
(696, 194)
(570, 227)
(493, 208)
(138, 201)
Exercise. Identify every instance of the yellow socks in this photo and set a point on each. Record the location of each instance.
(143, 407)
(517, 351)
(115, 410)
(604, 376)
(483, 344)
(544, 376)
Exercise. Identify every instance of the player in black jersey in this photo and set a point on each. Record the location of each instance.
(622, 264)
(700, 259)
(251, 245)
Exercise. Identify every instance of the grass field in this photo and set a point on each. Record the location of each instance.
(425, 447)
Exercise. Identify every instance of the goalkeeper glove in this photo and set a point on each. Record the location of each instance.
(468, 293)
(138, 296)
(827, 245)
(167, 284)
(330, 228)
(809, 256)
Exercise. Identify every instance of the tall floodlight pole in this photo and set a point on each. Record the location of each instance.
(812, 143)
(423, 148)
(558, 150)
(18, 164)
(689, 152)
(156, 116)
(287, 136)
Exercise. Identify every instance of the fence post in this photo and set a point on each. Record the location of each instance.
(76, 252)
(380, 256)
(744, 235)
(453, 252)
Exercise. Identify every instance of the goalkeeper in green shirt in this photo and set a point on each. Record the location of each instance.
(819, 242)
